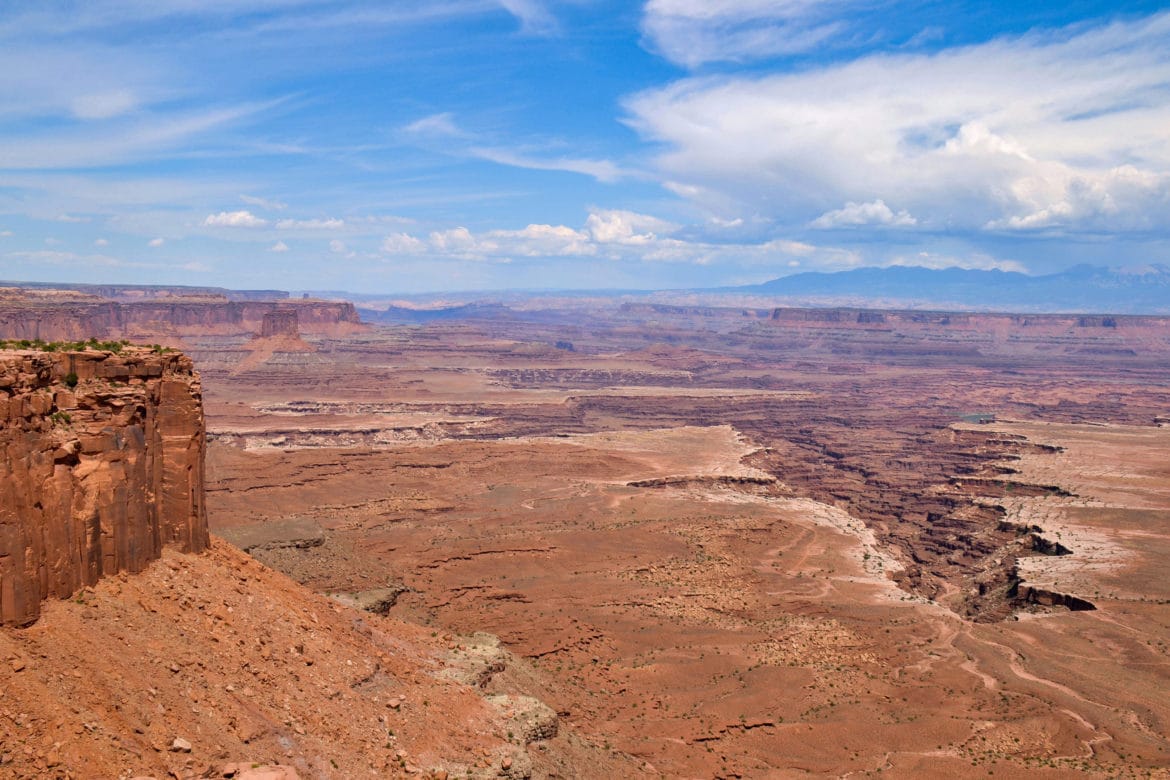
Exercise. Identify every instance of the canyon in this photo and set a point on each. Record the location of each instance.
(704, 541)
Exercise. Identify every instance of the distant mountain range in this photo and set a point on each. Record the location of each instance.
(1083, 288)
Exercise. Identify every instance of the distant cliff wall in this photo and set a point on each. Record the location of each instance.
(101, 465)
(76, 320)
(280, 322)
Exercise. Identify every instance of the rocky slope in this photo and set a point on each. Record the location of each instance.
(214, 665)
(101, 465)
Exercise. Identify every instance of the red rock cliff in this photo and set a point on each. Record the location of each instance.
(33, 318)
(95, 478)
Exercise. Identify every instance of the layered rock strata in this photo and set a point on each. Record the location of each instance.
(36, 318)
(101, 465)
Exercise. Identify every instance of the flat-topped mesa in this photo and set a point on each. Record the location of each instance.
(37, 318)
(101, 465)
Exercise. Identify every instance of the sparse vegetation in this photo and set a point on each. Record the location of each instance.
(73, 346)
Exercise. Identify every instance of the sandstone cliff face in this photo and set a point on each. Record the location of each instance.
(74, 320)
(97, 477)
(280, 322)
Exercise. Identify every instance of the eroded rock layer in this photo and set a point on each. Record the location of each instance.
(25, 317)
(101, 465)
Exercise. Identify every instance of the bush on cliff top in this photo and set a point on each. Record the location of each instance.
(75, 346)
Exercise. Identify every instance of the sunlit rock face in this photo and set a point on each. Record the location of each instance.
(101, 466)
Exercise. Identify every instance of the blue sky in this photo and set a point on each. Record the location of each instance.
(478, 144)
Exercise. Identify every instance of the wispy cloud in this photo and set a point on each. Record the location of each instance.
(693, 32)
(104, 105)
(311, 224)
(535, 18)
(602, 170)
(139, 139)
(435, 125)
(264, 203)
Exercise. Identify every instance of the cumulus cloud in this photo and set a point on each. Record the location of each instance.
(1062, 131)
(615, 226)
(402, 244)
(456, 240)
(873, 213)
(617, 235)
(235, 219)
(279, 246)
(542, 241)
(156, 242)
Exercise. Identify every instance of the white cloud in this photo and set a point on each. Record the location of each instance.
(71, 218)
(235, 219)
(692, 32)
(402, 244)
(534, 17)
(542, 241)
(101, 242)
(50, 241)
(337, 247)
(279, 246)
(156, 242)
(264, 203)
(5, 233)
(614, 226)
(435, 125)
(873, 213)
(602, 170)
(1065, 131)
(104, 105)
(311, 224)
(453, 240)
(616, 235)
(140, 138)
